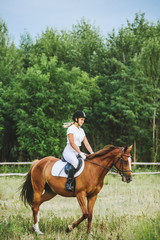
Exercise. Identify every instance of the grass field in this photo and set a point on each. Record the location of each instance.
(122, 211)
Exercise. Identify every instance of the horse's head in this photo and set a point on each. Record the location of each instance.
(123, 164)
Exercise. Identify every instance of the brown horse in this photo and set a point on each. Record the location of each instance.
(41, 186)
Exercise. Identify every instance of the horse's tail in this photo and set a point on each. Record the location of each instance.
(26, 194)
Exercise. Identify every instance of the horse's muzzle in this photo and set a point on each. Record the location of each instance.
(126, 178)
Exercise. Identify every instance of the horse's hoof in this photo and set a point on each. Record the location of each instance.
(69, 228)
(91, 234)
(37, 231)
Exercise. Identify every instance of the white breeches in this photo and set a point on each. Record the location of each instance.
(70, 156)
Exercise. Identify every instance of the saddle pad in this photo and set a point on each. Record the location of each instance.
(58, 169)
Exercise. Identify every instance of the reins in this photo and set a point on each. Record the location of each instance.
(113, 170)
(97, 164)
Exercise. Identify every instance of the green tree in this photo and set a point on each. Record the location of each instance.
(10, 65)
(149, 60)
(26, 45)
(114, 80)
(53, 43)
(43, 99)
(88, 48)
(127, 95)
(123, 107)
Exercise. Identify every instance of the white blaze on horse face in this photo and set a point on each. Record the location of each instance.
(129, 159)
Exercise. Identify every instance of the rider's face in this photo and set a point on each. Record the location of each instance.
(81, 121)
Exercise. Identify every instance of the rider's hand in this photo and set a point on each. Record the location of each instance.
(83, 156)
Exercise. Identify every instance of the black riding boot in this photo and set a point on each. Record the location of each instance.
(70, 180)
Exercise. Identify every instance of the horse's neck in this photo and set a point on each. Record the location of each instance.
(104, 165)
(106, 161)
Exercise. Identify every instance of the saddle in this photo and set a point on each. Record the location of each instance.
(61, 168)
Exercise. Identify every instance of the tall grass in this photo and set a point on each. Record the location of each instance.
(122, 211)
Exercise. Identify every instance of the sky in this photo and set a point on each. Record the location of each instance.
(34, 16)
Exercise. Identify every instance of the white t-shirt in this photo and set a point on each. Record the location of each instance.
(78, 134)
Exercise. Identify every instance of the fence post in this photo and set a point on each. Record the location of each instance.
(134, 157)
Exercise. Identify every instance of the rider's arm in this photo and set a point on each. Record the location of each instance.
(71, 140)
(87, 145)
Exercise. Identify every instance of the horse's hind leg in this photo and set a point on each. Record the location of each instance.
(39, 198)
(38, 186)
(35, 209)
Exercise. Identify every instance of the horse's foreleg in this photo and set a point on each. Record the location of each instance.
(81, 197)
(91, 202)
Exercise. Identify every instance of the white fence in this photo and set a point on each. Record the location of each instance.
(26, 163)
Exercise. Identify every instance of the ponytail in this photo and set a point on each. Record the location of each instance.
(67, 124)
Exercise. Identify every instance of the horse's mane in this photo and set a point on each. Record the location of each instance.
(105, 150)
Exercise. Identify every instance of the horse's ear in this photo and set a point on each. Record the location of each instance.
(125, 149)
(130, 148)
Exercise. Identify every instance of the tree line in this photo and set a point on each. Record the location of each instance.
(115, 79)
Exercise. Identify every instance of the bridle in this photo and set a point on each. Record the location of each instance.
(118, 171)
(121, 172)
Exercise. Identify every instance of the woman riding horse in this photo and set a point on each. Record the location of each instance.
(41, 186)
(75, 136)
